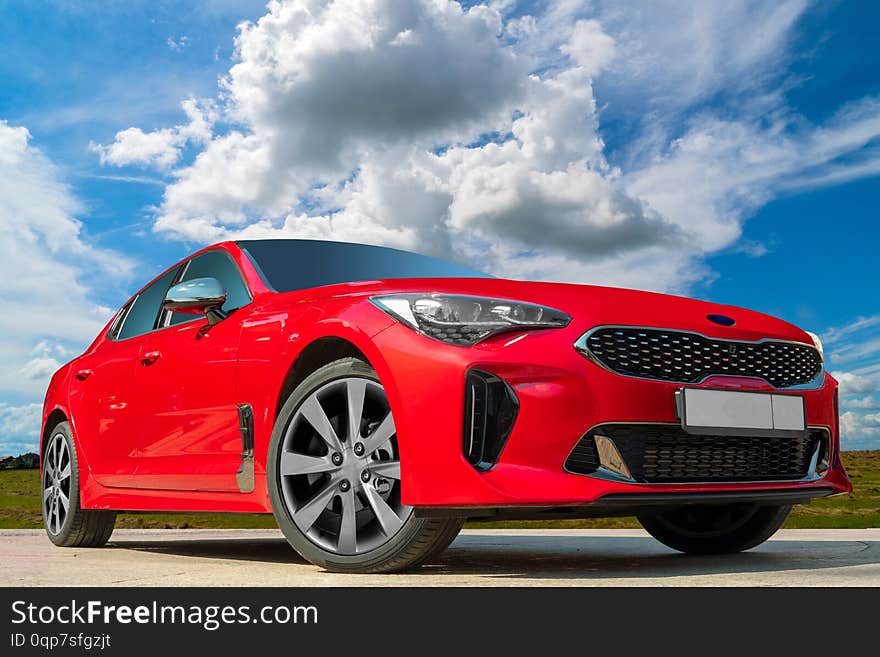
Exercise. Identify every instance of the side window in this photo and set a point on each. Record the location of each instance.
(216, 264)
(144, 310)
(113, 333)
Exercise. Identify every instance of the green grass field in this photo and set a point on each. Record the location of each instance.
(20, 507)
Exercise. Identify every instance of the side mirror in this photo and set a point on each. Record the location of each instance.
(199, 296)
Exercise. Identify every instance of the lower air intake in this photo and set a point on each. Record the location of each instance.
(664, 453)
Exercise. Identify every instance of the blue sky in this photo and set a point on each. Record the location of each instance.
(729, 151)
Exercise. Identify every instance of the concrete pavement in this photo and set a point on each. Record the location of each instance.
(135, 557)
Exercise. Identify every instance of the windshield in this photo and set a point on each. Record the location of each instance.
(288, 265)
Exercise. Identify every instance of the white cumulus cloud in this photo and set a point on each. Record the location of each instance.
(159, 148)
(854, 346)
(47, 266)
(469, 134)
(19, 428)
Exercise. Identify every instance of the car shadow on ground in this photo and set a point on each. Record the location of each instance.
(269, 550)
(551, 557)
(556, 557)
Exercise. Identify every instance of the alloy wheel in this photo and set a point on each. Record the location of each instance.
(56, 483)
(339, 467)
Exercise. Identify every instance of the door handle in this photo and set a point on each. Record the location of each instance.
(150, 357)
(82, 375)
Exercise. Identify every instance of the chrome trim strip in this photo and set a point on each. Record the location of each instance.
(609, 475)
(581, 347)
(610, 460)
(244, 477)
(473, 415)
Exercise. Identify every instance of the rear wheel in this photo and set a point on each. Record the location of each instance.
(334, 477)
(715, 529)
(66, 522)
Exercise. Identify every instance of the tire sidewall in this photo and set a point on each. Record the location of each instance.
(764, 522)
(344, 368)
(62, 537)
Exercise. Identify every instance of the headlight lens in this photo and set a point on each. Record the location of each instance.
(465, 320)
(818, 343)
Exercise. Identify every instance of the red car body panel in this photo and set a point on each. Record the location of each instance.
(164, 434)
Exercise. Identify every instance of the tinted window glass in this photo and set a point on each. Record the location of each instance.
(113, 333)
(141, 317)
(216, 264)
(288, 265)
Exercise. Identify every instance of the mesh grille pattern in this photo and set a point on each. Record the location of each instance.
(664, 453)
(583, 458)
(690, 358)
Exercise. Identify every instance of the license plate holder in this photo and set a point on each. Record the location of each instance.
(740, 413)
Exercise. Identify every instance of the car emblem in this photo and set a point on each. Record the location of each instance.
(723, 320)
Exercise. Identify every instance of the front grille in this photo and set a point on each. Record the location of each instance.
(665, 453)
(690, 358)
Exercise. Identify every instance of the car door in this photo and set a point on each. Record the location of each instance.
(102, 391)
(188, 419)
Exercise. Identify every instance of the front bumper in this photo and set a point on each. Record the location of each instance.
(562, 396)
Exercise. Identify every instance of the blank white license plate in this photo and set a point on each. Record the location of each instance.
(725, 412)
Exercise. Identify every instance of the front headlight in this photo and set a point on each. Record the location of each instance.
(818, 343)
(465, 320)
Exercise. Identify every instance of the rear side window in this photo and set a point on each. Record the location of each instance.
(216, 264)
(113, 333)
(144, 311)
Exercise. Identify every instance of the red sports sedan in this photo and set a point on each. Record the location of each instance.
(373, 399)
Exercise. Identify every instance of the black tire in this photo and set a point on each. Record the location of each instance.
(417, 540)
(80, 527)
(715, 529)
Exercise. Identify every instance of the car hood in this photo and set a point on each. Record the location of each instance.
(591, 305)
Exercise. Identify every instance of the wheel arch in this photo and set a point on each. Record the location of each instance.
(315, 355)
(60, 413)
(322, 343)
(56, 416)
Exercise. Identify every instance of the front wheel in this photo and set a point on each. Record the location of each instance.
(334, 477)
(66, 522)
(715, 529)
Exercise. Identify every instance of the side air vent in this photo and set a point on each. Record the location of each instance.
(490, 408)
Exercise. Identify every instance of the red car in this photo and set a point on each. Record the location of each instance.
(373, 399)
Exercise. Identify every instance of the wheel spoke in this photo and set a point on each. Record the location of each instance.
(294, 463)
(347, 543)
(356, 390)
(380, 435)
(58, 454)
(65, 473)
(57, 513)
(64, 463)
(386, 516)
(387, 469)
(312, 411)
(47, 492)
(308, 513)
(64, 501)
